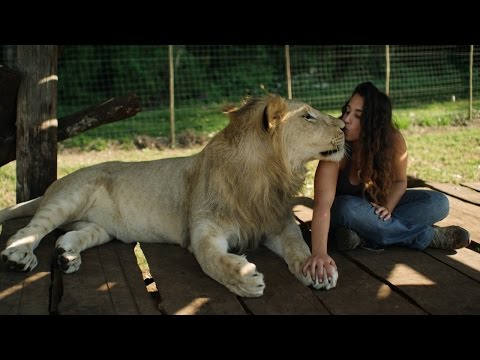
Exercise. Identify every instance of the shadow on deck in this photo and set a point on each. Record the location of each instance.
(158, 279)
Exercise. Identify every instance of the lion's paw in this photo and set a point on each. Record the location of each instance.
(327, 283)
(69, 261)
(247, 281)
(20, 258)
(297, 269)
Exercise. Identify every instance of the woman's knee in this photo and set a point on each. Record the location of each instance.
(439, 204)
(345, 208)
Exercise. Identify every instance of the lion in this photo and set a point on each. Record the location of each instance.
(230, 197)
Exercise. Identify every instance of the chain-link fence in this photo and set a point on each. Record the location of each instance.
(207, 76)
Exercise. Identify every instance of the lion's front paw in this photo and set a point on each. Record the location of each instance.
(246, 281)
(326, 283)
(297, 269)
(68, 260)
(20, 258)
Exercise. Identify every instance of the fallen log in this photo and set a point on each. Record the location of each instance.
(109, 111)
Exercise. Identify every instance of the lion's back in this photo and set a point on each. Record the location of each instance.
(141, 201)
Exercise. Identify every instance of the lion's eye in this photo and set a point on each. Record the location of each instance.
(310, 117)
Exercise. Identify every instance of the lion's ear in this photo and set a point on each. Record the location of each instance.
(274, 111)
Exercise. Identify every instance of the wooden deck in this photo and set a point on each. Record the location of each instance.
(395, 281)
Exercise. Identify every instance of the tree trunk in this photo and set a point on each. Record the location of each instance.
(36, 120)
(112, 110)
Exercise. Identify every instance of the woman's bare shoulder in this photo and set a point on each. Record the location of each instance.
(398, 140)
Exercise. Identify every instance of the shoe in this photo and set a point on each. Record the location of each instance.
(449, 237)
(347, 239)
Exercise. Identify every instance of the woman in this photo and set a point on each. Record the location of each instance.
(364, 198)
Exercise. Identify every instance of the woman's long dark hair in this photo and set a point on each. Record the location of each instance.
(375, 160)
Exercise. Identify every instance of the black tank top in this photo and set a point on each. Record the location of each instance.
(344, 186)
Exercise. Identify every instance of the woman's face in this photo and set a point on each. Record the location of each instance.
(351, 118)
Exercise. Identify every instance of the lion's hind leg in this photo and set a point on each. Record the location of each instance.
(80, 236)
(233, 271)
(18, 253)
(54, 210)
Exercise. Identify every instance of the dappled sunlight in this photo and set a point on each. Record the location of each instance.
(25, 240)
(48, 124)
(404, 275)
(247, 269)
(47, 79)
(465, 259)
(18, 287)
(383, 292)
(108, 285)
(194, 307)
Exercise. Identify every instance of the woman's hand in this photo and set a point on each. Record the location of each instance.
(317, 264)
(382, 212)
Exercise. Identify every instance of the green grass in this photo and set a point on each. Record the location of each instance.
(450, 155)
(209, 119)
(156, 123)
(435, 114)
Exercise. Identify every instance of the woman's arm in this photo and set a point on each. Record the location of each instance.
(325, 184)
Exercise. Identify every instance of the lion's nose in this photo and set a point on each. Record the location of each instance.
(332, 121)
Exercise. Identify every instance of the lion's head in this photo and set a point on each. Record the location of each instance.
(297, 132)
(257, 163)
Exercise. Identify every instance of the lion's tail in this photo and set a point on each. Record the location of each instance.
(27, 208)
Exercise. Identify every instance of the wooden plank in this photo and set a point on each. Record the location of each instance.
(371, 295)
(36, 289)
(116, 279)
(184, 288)
(359, 293)
(464, 260)
(25, 293)
(463, 214)
(472, 185)
(11, 282)
(87, 290)
(457, 191)
(134, 279)
(430, 283)
(304, 213)
(284, 294)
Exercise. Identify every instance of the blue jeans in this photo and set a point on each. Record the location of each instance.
(410, 224)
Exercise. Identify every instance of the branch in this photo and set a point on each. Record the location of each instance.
(112, 110)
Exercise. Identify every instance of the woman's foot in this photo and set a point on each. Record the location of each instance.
(449, 237)
(347, 239)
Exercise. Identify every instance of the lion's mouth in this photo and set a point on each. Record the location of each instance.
(330, 152)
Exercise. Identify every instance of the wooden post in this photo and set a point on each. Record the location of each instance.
(172, 95)
(36, 120)
(287, 70)
(387, 72)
